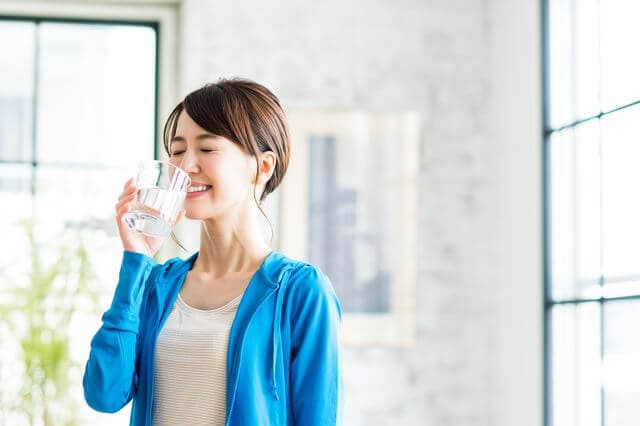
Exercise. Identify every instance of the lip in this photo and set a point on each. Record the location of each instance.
(191, 195)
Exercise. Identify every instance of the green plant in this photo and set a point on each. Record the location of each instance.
(37, 314)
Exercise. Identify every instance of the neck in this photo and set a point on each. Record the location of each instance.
(228, 248)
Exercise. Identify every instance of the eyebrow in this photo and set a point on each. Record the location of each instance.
(200, 137)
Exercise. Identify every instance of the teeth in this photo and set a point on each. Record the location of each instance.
(198, 188)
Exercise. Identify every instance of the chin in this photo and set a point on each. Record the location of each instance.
(200, 214)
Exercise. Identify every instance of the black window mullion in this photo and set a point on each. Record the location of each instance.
(598, 116)
(579, 301)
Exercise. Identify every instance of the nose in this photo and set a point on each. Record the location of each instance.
(189, 162)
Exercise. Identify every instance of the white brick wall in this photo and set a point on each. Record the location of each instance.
(477, 361)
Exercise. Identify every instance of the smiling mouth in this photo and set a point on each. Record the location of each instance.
(198, 188)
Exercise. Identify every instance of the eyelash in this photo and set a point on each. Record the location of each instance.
(203, 150)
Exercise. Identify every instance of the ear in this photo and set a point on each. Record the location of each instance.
(267, 166)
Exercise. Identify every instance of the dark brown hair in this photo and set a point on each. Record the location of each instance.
(244, 112)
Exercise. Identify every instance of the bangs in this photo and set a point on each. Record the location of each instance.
(209, 109)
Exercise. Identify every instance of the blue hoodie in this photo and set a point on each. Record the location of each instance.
(283, 358)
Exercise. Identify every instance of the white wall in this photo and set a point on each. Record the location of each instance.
(472, 69)
(517, 123)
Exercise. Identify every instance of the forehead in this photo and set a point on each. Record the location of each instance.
(186, 125)
(188, 130)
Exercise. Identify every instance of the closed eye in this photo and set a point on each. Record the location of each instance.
(182, 152)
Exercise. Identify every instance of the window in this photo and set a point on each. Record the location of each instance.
(592, 123)
(77, 111)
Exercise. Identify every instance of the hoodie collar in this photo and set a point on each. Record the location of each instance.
(268, 270)
(273, 268)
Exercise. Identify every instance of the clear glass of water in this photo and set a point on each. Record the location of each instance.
(162, 189)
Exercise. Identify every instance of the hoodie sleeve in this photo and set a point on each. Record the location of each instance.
(110, 375)
(316, 362)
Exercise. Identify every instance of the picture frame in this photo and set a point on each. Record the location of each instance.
(349, 205)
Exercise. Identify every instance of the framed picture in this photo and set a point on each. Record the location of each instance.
(349, 205)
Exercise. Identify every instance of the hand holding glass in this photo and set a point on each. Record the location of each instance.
(162, 189)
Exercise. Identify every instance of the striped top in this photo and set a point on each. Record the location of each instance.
(190, 365)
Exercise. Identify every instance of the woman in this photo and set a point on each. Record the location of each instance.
(237, 334)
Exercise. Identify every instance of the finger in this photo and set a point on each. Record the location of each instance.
(124, 204)
(132, 185)
(129, 186)
(122, 211)
(127, 196)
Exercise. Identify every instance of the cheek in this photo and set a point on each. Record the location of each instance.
(231, 174)
(213, 166)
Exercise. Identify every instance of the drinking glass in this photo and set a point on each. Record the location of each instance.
(162, 189)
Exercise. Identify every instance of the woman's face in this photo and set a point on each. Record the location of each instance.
(221, 172)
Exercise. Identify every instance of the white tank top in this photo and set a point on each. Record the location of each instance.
(190, 366)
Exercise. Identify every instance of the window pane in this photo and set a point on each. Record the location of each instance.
(560, 53)
(16, 202)
(620, 60)
(96, 102)
(621, 372)
(562, 184)
(621, 198)
(16, 90)
(587, 68)
(576, 365)
(588, 205)
(575, 211)
(78, 197)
